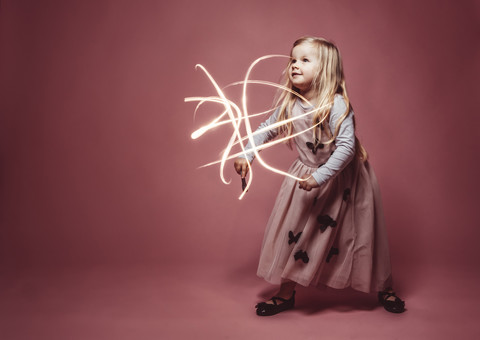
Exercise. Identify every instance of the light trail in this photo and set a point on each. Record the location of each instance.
(237, 116)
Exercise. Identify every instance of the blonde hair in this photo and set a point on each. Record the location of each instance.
(328, 81)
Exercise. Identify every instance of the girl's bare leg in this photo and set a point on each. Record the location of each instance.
(286, 290)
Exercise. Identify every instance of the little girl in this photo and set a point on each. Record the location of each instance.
(327, 229)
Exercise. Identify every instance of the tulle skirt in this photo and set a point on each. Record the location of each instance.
(333, 235)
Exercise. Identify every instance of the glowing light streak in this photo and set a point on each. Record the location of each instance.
(215, 123)
(236, 116)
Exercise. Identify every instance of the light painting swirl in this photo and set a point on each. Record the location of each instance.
(236, 116)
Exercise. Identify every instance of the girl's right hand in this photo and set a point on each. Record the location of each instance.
(241, 166)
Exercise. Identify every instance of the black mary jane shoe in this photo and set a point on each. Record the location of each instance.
(267, 309)
(393, 306)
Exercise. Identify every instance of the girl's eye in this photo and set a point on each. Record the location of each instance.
(294, 61)
(305, 60)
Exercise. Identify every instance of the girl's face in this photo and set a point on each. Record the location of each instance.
(305, 64)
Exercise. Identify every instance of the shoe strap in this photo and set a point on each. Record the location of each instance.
(386, 295)
(275, 298)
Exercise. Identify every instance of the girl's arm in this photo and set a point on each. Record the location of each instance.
(345, 143)
(263, 137)
(241, 164)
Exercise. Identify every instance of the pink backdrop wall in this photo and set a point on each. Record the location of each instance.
(97, 165)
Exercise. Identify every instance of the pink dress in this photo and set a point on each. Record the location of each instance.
(335, 234)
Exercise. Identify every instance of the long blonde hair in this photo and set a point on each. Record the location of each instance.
(328, 81)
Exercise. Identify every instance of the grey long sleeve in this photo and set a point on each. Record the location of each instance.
(345, 143)
(263, 137)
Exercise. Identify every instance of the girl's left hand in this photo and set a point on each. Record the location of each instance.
(309, 184)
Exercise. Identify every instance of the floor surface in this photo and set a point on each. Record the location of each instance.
(210, 303)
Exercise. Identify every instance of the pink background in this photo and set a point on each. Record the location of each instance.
(98, 169)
